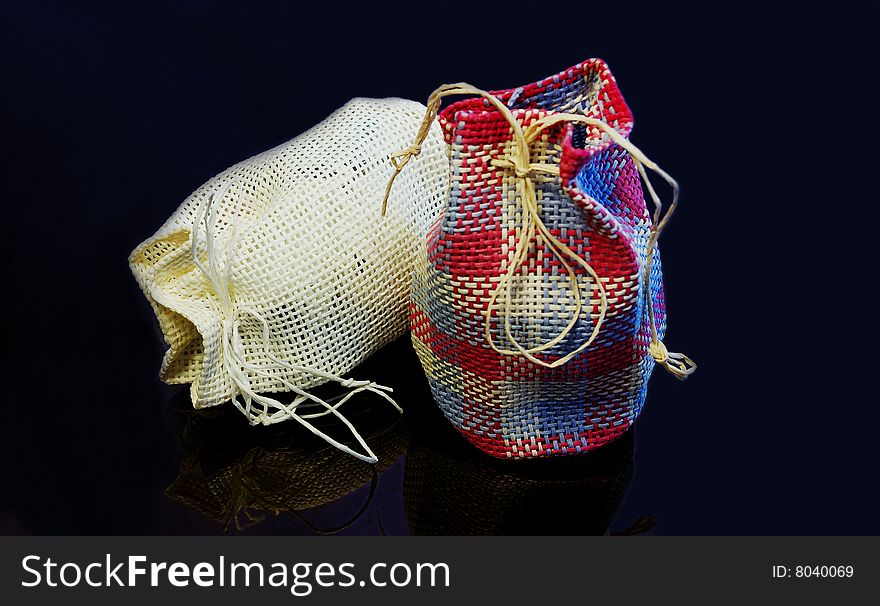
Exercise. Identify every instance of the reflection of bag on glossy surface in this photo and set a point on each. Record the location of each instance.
(452, 489)
(235, 475)
(279, 274)
(537, 306)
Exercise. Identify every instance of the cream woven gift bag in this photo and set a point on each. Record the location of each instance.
(279, 274)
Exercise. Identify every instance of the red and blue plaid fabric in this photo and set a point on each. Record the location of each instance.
(507, 405)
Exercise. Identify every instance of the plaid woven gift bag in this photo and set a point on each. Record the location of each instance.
(537, 306)
(277, 275)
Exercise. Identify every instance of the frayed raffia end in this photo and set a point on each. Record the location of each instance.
(677, 364)
(258, 408)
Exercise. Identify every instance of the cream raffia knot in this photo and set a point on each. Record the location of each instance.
(399, 160)
(679, 365)
(407, 154)
(518, 160)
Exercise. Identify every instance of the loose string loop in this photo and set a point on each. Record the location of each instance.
(518, 161)
(256, 407)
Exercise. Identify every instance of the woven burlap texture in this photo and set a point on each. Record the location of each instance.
(281, 271)
(538, 309)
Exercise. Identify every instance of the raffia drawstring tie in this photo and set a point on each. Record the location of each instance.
(262, 409)
(518, 161)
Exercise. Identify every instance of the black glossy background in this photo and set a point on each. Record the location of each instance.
(112, 114)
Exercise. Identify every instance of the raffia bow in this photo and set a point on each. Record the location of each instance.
(261, 408)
